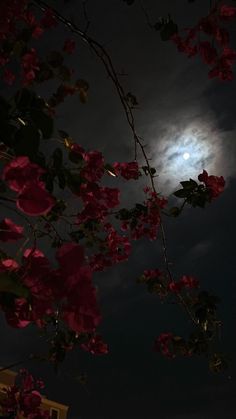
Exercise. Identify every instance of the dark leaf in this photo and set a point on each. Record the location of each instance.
(11, 285)
(27, 142)
(57, 158)
(181, 193)
(168, 30)
(43, 122)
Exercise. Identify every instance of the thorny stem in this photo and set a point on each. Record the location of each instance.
(106, 60)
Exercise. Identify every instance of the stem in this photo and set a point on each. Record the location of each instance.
(106, 60)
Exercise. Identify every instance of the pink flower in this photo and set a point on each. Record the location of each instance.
(48, 20)
(70, 257)
(214, 184)
(189, 282)
(162, 344)
(20, 171)
(10, 231)
(207, 52)
(81, 312)
(128, 170)
(95, 346)
(69, 46)
(8, 76)
(34, 200)
(227, 12)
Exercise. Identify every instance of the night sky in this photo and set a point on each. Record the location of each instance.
(180, 110)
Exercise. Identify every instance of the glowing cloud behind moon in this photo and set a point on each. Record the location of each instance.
(185, 153)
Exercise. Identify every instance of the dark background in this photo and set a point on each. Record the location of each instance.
(180, 109)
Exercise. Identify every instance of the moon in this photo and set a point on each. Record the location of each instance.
(185, 153)
(186, 156)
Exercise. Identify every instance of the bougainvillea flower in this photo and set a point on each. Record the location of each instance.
(128, 170)
(9, 231)
(214, 184)
(70, 257)
(8, 76)
(69, 46)
(34, 200)
(162, 344)
(81, 313)
(95, 346)
(21, 171)
(227, 12)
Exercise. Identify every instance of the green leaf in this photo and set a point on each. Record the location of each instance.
(10, 285)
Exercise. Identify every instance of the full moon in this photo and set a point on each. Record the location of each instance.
(186, 156)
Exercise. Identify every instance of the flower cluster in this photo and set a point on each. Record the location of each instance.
(186, 282)
(24, 399)
(214, 184)
(163, 344)
(23, 177)
(220, 57)
(145, 219)
(128, 170)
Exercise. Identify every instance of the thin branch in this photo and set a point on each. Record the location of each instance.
(106, 60)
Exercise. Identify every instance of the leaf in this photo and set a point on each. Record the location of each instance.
(168, 30)
(174, 211)
(181, 193)
(43, 122)
(27, 141)
(63, 134)
(10, 285)
(57, 158)
(55, 59)
(61, 180)
(23, 99)
(189, 184)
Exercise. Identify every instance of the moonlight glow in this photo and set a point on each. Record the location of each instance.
(186, 156)
(186, 153)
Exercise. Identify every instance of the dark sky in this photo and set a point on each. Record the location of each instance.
(180, 110)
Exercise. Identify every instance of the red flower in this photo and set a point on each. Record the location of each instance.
(8, 76)
(69, 46)
(175, 286)
(70, 257)
(128, 170)
(37, 32)
(162, 344)
(8, 265)
(94, 168)
(95, 346)
(10, 231)
(207, 52)
(189, 282)
(48, 20)
(227, 12)
(81, 312)
(214, 184)
(30, 64)
(34, 200)
(20, 171)
(18, 316)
